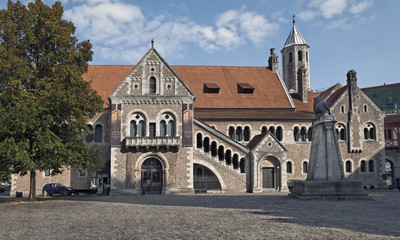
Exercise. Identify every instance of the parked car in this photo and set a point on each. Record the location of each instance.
(2, 189)
(57, 188)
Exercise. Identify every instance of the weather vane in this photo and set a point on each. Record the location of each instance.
(294, 18)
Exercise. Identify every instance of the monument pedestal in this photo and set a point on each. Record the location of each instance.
(325, 177)
(328, 190)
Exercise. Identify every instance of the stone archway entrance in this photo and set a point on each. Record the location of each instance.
(204, 180)
(152, 176)
(270, 170)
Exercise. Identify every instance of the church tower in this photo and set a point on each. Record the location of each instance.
(295, 64)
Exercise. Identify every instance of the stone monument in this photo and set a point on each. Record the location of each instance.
(325, 176)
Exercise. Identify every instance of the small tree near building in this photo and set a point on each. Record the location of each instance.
(44, 101)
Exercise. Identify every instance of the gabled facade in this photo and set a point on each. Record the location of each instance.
(185, 129)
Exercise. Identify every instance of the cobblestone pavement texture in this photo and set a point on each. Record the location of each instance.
(237, 216)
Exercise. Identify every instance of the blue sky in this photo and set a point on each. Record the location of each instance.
(343, 34)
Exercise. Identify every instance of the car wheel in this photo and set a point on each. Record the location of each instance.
(2, 191)
(65, 193)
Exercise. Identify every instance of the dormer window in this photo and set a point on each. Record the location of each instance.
(210, 88)
(245, 88)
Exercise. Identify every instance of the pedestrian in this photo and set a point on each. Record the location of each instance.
(105, 189)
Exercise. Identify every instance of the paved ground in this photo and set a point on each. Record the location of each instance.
(242, 216)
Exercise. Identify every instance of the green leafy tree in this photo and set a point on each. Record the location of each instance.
(44, 101)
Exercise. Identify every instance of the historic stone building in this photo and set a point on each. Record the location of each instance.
(387, 98)
(185, 129)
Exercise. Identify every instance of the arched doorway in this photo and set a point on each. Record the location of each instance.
(152, 176)
(204, 180)
(270, 173)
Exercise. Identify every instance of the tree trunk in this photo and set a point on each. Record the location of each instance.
(32, 188)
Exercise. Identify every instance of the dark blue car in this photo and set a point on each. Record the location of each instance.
(57, 188)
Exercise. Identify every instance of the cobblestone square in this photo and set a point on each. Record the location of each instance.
(221, 216)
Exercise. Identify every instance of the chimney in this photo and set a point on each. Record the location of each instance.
(273, 61)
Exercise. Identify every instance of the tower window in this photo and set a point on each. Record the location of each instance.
(300, 53)
(290, 57)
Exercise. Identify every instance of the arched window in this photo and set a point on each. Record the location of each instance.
(300, 55)
(137, 126)
(290, 57)
(89, 137)
(171, 128)
(98, 133)
(309, 134)
(228, 157)
(132, 128)
(152, 85)
(272, 130)
(341, 132)
(348, 166)
(371, 165)
(235, 161)
(363, 166)
(246, 133)
(142, 129)
(289, 167)
(279, 133)
(242, 162)
(206, 144)
(232, 132)
(366, 133)
(214, 149)
(342, 109)
(167, 125)
(307, 56)
(369, 131)
(303, 134)
(296, 134)
(199, 140)
(264, 129)
(163, 129)
(221, 154)
(239, 134)
(305, 167)
(365, 108)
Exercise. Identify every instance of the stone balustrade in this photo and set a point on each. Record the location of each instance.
(152, 141)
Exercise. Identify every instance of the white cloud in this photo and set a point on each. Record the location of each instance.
(329, 8)
(357, 8)
(120, 30)
(342, 14)
(307, 15)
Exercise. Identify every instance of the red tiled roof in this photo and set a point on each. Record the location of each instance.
(268, 91)
(105, 78)
(332, 99)
(255, 140)
(305, 107)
